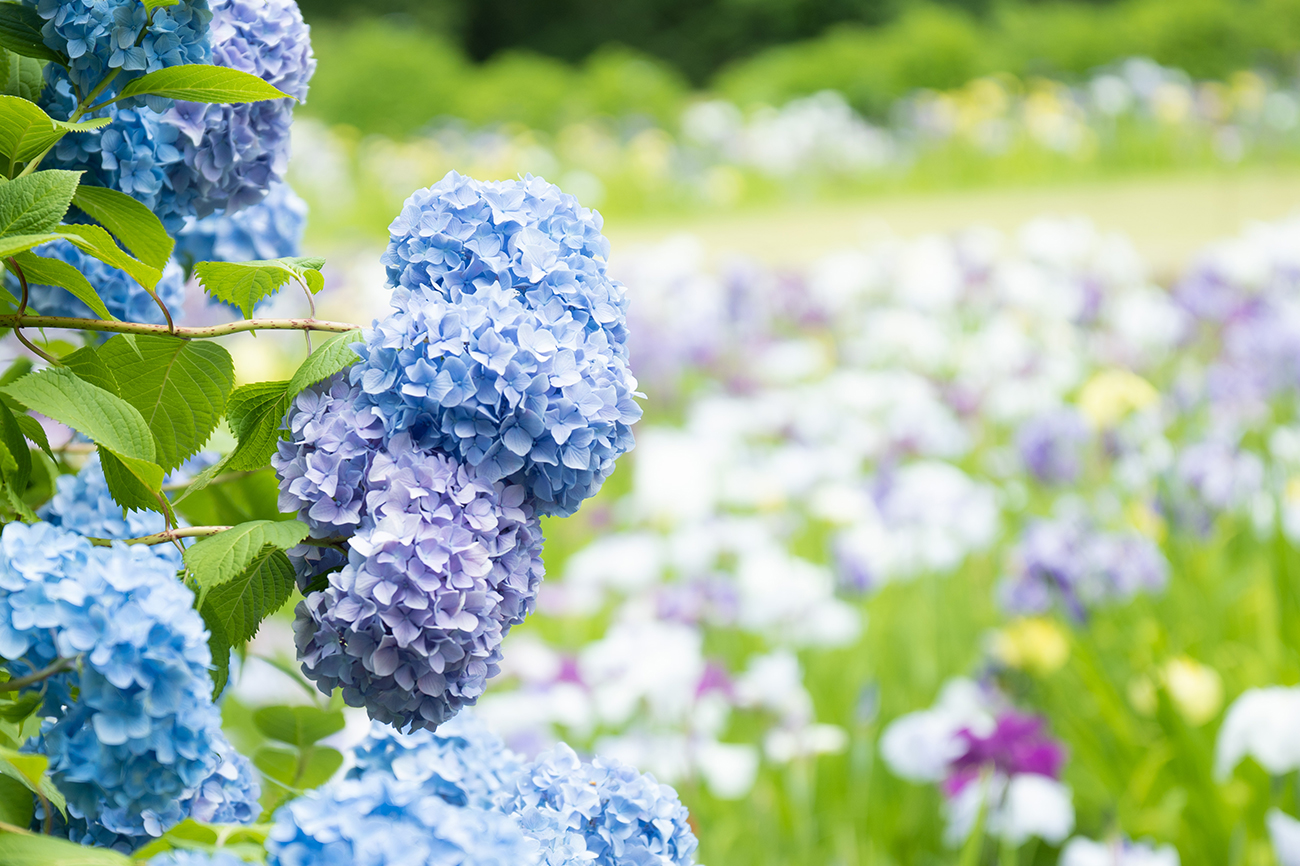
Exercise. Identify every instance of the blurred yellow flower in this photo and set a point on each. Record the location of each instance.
(1146, 521)
(1196, 689)
(1033, 644)
(1111, 394)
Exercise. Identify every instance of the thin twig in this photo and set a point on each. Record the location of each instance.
(206, 333)
(165, 537)
(58, 667)
(223, 478)
(22, 310)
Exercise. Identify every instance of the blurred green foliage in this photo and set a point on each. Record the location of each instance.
(438, 81)
(932, 46)
(926, 45)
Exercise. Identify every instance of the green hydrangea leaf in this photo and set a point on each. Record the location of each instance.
(20, 76)
(235, 610)
(179, 386)
(196, 82)
(243, 284)
(224, 557)
(100, 244)
(298, 726)
(334, 355)
(130, 222)
(127, 449)
(34, 204)
(20, 32)
(255, 413)
(40, 271)
(24, 849)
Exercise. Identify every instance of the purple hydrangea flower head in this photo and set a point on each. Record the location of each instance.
(462, 235)
(233, 154)
(444, 563)
(1071, 563)
(270, 229)
(528, 395)
(1051, 444)
(1018, 743)
(104, 36)
(602, 813)
(463, 762)
(381, 821)
(132, 732)
(323, 464)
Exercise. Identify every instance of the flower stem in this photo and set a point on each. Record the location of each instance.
(71, 323)
(165, 537)
(22, 310)
(40, 676)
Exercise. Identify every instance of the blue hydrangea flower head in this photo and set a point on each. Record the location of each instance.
(82, 504)
(602, 813)
(462, 762)
(233, 154)
(103, 36)
(271, 229)
(131, 731)
(182, 857)
(121, 294)
(527, 235)
(381, 821)
(228, 796)
(443, 564)
(530, 396)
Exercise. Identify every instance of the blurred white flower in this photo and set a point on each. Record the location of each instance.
(783, 745)
(920, 745)
(1028, 805)
(1081, 851)
(1284, 832)
(1263, 724)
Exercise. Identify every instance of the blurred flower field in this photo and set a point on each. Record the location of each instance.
(1132, 117)
(966, 548)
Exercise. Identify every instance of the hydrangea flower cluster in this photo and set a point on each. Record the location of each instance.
(232, 154)
(186, 160)
(464, 763)
(271, 229)
(122, 295)
(461, 235)
(528, 395)
(378, 820)
(133, 154)
(603, 813)
(508, 341)
(182, 857)
(100, 36)
(140, 733)
(496, 390)
(1069, 563)
(444, 564)
(332, 443)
